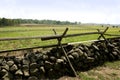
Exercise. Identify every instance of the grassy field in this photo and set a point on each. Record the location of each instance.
(45, 30)
(109, 71)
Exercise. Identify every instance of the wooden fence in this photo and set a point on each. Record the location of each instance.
(59, 44)
(101, 33)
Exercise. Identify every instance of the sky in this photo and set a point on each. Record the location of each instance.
(84, 11)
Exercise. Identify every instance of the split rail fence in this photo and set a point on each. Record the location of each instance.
(56, 36)
(59, 39)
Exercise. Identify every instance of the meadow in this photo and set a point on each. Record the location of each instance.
(45, 30)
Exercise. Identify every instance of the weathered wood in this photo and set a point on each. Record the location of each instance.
(47, 37)
(68, 35)
(83, 42)
(75, 74)
(54, 45)
(20, 38)
(59, 44)
(47, 46)
(112, 35)
(54, 32)
(102, 33)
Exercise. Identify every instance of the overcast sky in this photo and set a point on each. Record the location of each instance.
(85, 11)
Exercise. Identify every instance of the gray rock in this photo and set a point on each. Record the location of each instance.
(95, 47)
(25, 62)
(26, 73)
(52, 74)
(3, 72)
(85, 55)
(34, 72)
(10, 63)
(0, 61)
(33, 65)
(48, 65)
(57, 66)
(13, 68)
(42, 69)
(19, 72)
(64, 58)
(52, 59)
(111, 45)
(90, 59)
(25, 70)
(5, 67)
(40, 62)
(7, 76)
(115, 53)
(81, 48)
(17, 60)
(18, 77)
(86, 48)
(45, 57)
(117, 50)
(32, 78)
(60, 61)
(4, 62)
(71, 57)
(71, 51)
(79, 51)
(0, 68)
(75, 55)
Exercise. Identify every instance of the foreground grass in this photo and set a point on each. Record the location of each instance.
(109, 71)
(45, 30)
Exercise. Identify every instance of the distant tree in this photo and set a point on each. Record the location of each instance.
(9, 22)
(113, 26)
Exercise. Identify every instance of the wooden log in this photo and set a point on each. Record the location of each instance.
(20, 38)
(68, 35)
(102, 33)
(112, 35)
(47, 37)
(47, 46)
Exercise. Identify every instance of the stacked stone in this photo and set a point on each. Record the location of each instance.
(53, 64)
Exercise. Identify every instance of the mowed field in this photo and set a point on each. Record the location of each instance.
(45, 30)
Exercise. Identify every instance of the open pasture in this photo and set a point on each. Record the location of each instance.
(45, 30)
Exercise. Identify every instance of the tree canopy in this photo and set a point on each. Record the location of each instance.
(10, 22)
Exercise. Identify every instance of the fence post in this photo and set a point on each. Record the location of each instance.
(65, 53)
(102, 34)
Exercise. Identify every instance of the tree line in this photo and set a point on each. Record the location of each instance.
(11, 22)
(7, 22)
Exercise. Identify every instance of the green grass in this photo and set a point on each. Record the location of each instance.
(85, 77)
(115, 66)
(108, 71)
(45, 30)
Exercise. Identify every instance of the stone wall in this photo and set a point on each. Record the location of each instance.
(53, 64)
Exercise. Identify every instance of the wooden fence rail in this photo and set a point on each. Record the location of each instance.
(47, 46)
(68, 35)
(47, 37)
(59, 39)
(20, 38)
(52, 37)
(112, 35)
